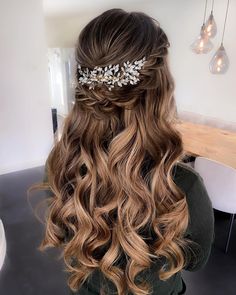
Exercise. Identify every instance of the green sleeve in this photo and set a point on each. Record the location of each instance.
(201, 226)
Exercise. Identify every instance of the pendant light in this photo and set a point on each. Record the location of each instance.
(211, 28)
(220, 62)
(203, 43)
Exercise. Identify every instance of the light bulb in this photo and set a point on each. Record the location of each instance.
(202, 44)
(211, 28)
(220, 62)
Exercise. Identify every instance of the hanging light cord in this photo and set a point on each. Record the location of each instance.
(212, 5)
(204, 18)
(226, 15)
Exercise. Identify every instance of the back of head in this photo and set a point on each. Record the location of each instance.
(115, 37)
(111, 171)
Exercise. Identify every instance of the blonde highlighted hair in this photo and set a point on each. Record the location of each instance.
(111, 172)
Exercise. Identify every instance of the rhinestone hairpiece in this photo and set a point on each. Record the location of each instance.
(109, 75)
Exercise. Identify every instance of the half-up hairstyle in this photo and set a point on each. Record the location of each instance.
(114, 206)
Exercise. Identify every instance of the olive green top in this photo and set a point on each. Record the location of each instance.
(200, 230)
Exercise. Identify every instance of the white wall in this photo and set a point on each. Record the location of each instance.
(197, 90)
(26, 133)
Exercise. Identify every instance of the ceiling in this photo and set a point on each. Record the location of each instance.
(54, 8)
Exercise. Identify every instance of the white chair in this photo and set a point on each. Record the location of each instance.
(220, 182)
(2, 244)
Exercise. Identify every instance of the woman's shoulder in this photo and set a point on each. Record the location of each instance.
(192, 184)
(186, 177)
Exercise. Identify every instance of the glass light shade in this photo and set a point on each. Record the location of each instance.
(202, 44)
(220, 62)
(210, 27)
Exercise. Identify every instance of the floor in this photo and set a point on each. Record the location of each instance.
(27, 271)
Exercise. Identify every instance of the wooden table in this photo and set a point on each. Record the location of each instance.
(213, 143)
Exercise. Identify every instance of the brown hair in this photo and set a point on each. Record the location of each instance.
(103, 200)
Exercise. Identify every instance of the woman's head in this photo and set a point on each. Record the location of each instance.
(111, 171)
(115, 37)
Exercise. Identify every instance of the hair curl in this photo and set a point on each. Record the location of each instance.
(107, 198)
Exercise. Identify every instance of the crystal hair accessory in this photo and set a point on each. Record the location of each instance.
(109, 75)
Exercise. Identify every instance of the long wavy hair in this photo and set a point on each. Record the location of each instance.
(115, 206)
